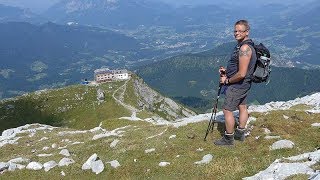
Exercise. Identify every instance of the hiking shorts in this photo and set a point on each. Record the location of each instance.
(235, 97)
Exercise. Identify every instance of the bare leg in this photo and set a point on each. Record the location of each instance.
(229, 121)
(243, 116)
(228, 138)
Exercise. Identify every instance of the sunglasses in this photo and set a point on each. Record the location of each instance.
(239, 31)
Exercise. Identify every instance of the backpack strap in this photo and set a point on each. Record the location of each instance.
(248, 41)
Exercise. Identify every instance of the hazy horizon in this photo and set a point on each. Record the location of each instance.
(33, 5)
(39, 6)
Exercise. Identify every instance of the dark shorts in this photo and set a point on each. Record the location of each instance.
(235, 97)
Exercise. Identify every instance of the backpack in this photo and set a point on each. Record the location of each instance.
(262, 68)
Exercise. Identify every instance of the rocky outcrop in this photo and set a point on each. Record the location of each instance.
(310, 100)
(300, 164)
(153, 101)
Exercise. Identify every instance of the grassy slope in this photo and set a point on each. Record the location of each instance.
(74, 106)
(245, 159)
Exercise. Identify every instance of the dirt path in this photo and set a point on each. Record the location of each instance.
(120, 99)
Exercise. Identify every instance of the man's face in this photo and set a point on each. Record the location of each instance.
(240, 32)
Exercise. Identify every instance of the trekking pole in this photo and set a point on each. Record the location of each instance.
(213, 114)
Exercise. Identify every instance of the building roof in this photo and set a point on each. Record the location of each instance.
(108, 71)
(102, 71)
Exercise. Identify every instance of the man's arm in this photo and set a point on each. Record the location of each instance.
(244, 60)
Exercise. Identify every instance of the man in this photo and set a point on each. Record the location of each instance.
(236, 78)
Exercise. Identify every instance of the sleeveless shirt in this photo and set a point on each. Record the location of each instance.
(233, 65)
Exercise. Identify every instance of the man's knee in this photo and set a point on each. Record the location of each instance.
(226, 111)
(242, 107)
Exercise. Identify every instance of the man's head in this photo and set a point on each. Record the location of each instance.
(241, 30)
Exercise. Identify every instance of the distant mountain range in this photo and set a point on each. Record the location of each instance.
(276, 24)
(290, 30)
(116, 13)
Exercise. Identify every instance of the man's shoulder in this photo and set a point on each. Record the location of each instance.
(245, 47)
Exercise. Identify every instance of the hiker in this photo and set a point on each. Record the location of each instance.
(236, 79)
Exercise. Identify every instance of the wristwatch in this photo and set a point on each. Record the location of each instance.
(226, 81)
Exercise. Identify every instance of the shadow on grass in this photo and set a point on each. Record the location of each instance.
(26, 111)
(221, 127)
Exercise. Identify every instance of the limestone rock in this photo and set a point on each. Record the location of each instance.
(281, 144)
(205, 160)
(162, 164)
(34, 166)
(49, 165)
(87, 164)
(66, 162)
(65, 152)
(97, 166)
(114, 163)
(19, 160)
(3, 166)
(114, 143)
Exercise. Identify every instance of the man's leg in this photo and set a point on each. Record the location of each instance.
(229, 121)
(243, 118)
(228, 137)
(229, 105)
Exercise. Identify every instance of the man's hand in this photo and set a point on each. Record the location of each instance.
(222, 71)
(223, 76)
(223, 79)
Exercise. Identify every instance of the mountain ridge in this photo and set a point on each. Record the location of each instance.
(131, 98)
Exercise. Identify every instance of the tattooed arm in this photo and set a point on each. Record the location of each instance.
(244, 60)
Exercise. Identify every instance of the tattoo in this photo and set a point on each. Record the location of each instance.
(245, 52)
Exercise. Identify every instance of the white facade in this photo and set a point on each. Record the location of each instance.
(122, 76)
(107, 75)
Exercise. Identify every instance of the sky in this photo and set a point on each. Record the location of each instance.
(41, 5)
